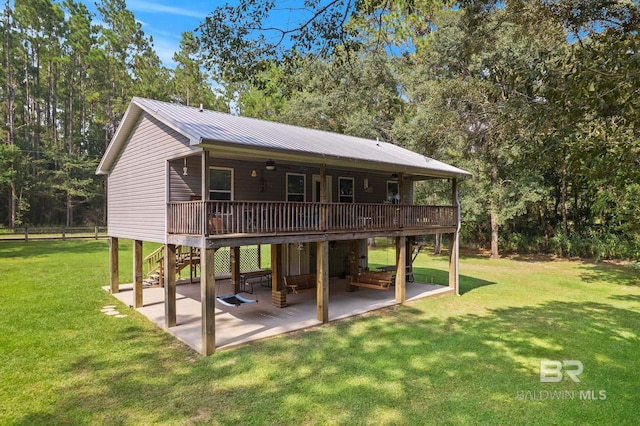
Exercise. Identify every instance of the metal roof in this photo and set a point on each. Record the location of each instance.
(206, 128)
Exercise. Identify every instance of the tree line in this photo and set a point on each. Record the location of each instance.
(538, 99)
(67, 78)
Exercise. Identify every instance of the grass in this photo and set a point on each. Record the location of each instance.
(453, 360)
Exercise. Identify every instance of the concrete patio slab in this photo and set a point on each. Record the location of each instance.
(253, 321)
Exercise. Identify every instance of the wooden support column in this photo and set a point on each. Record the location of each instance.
(454, 275)
(113, 265)
(354, 269)
(278, 295)
(354, 266)
(169, 285)
(401, 275)
(323, 197)
(208, 300)
(204, 192)
(409, 259)
(235, 269)
(137, 274)
(322, 284)
(402, 211)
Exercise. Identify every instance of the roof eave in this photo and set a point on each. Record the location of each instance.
(129, 118)
(239, 151)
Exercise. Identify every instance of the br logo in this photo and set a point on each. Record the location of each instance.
(553, 371)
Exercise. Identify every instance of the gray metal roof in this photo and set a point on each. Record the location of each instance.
(210, 128)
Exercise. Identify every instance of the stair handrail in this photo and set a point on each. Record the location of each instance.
(154, 260)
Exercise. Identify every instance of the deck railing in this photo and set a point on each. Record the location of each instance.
(269, 217)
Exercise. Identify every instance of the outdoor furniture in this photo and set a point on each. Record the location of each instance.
(296, 283)
(392, 269)
(371, 279)
(234, 300)
(249, 277)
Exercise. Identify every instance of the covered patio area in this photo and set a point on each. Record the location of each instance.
(253, 321)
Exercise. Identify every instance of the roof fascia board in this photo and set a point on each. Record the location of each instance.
(130, 117)
(245, 152)
(113, 149)
(193, 140)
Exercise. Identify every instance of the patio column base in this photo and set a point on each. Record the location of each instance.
(279, 299)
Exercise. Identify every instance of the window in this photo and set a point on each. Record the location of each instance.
(345, 190)
(296, 185)
(220, 184)
(393, 194)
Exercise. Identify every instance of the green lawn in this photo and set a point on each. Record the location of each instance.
(463, 360)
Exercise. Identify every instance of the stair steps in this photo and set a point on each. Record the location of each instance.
(186, 257)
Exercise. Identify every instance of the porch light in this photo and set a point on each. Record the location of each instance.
(270, 165)
(185, 171)
(254, 173)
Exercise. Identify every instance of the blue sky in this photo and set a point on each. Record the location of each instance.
(166, 20)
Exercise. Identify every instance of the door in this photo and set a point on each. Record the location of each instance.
(316, 188)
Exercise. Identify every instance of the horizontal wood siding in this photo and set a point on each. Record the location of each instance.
(266, 186)
(271, 185)
(136, 196)
(184, 188)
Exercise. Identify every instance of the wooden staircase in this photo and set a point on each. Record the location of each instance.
(185, 257)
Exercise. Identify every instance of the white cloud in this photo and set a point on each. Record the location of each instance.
(149, 7)
(165, 48)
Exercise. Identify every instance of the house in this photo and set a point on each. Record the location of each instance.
(215, 182)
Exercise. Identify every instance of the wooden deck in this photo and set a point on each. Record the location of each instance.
(237, 219)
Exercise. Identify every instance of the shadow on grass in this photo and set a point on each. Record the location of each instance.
(626, 297)
(396, 366)
(610, 273)
(12, 249)
(532, 258)
(437, 276)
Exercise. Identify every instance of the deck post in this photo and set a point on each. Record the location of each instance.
(409, 257)
(354, 264)
(137, 274)
(355, 258)
(204, 192)
(401, 268)
(322, 284)
(454, 273)
(324, 197)
(208, 301)
(278, 296)
(403, 212)
(235, 269)
(113, 265)
(169, 285)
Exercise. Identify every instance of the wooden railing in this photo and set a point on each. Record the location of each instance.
(268, 217)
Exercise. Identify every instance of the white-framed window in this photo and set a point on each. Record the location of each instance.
(296, 187)
(393, 193)
(346, 187)
(220, 184)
